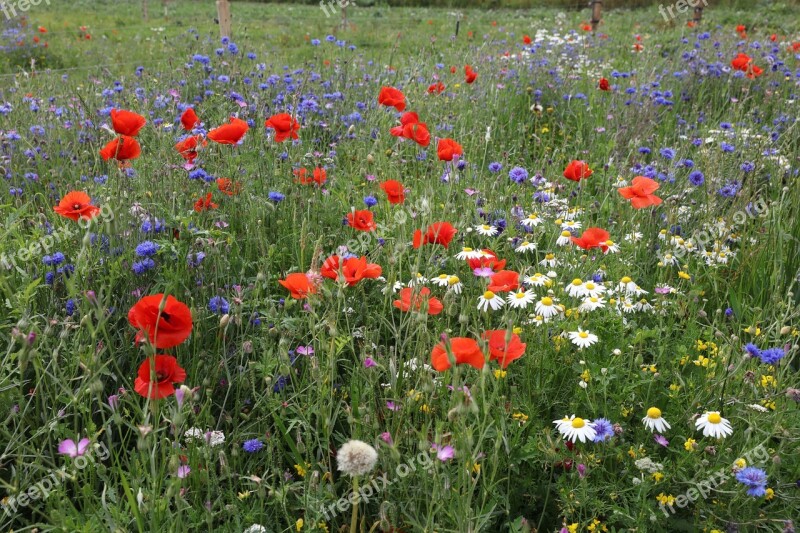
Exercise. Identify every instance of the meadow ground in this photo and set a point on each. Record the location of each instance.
(519, 341)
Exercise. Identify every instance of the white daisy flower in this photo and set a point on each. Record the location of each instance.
(668, 260)
(394, 287)
(636, 236)
(441, 280)
(576, 429)
(643, 305)
(582, 339)
(537, 280)
(469, 253)
(654, 422)
(611, 247)
(550, 261)
(486, 230)
(627, 285)
(489, 299)
(590, 288)
(531, 221)
(520, 299)
(627, 306)
(454, 284)
(525, 246)
(536, 320)
(564, 238)
(713, 425)
(418, 279)
(591, 304)
(575, 289)
(547, 307)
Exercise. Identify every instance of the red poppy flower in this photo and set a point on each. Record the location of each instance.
(161, 384)
(640, 193)
(452, 70)
(745, 63)
(527, 39)
(465, 351)
(122, 149)
(469, 74)
(354, 269)
(504, 281)
(447, 149)
(204, 204)
(501, 351)
(577, 170)
(165, 326)
(362, 220)
(586, 27)
(298, 285)
(188, 147)
(230, 133)
(189, 119)
(226, 186)
(691, 24)
(409, 299)
(76, 205)
(740, 28)
(603, 85)
(436, 88)
(437, 233)
(391, 97)
(284, 125)
(394, 191)
(592, 238)
(795, 47)
(42, 29)
(320, 176)
(127, 122)
(773, 37)
(330, 268)
(406, 119)
(418, 133)
(487, 261)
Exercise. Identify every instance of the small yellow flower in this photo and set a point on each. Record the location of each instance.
(545, 130)
(657, 476)
(740, 463)
(689, 445)
(517, 330)
(520, 417)
(769, 404)
(298, 526)
(665, 499)
(674, 387)
(500, 374)
(302, 470)
(586, 376)
(684, 275)
(767, 381)
(476, 468)
(769, 495)
(244, 495)
(573, 528)
(424, 408)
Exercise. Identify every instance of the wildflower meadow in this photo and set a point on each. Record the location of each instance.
(399, 269)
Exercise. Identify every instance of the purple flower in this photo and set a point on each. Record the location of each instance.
(387, 438)
(73, 449)
(603, 429)
(252, 445)
(661, 439)
(582, 470)
(518, 174)
(483, 272)
(444, 453)
(369, 362)
(305, 350)
(771, 356)
(755, 479)
(183, 471)
(752, 349)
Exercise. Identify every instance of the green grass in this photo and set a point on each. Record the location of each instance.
(511, 470)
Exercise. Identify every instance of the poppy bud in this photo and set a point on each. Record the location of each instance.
(224, 320)
(785, 330)
(371, 158)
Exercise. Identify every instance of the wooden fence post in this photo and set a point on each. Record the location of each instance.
(224, 16)
(144, 9)
(597, 8)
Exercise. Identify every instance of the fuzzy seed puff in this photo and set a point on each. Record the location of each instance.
(356, 458)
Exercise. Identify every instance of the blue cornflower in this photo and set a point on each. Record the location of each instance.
(518, 174)
(70, 307)
(727, 147)
(747, 166)
(495, 167)
(697, 178)
(752, 349)
(667, 153)
(276, 196)
(755, 479)
(330, 39)
(233, 49)
(370, 201)
(603, 429)
(252, 445)
(280, 384)
(195, 259)
(147, 249)
(218, 304)
(315, 42)
(771, 356)
(729, 190)
(644, 150)
(140, 267)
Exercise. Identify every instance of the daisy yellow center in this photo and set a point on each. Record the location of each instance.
(547, 301)
(453, 280)
(565, 233)
(714, 418)
(722, 254)
(583, 335)
(590, 285)
(626, 279)
(533, 216)
(442, 276)
(576, 281)
(485, 227)
(520, 295)
(549, 257)
(559, 221)
(488, 295)
(578, 423)
(654, 412)
(593, 300)
(467, 249)
(526, 243)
